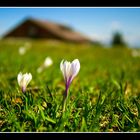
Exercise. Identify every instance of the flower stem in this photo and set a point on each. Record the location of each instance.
(23, 89)
(65, 98)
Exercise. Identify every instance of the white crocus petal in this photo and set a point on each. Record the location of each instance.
(62, 69)
(75, 67)
(48, 62)
(19, 78)
(27, 78)
(65, 68)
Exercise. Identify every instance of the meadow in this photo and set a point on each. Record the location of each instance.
(103, 97)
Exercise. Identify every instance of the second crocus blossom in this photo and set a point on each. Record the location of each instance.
(23, 80)
(69, 71)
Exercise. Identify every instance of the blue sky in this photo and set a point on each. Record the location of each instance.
(97, 23)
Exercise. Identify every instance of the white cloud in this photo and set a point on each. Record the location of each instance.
(115, 25)
(101, 38)
(132, 40)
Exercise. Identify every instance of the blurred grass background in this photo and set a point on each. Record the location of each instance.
(108, 77)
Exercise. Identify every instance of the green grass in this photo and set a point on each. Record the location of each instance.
(103, 97)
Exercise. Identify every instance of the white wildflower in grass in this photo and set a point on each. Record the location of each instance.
(22, 50)
(27, 45)
(40, 69)
(23, 80)
(47, 63)
(69, 71)
(135, 53)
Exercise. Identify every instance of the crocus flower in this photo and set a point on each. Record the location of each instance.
(69, 70)
(23, 80)
(47, 63)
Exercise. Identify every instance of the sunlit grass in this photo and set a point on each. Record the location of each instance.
(103, 97)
